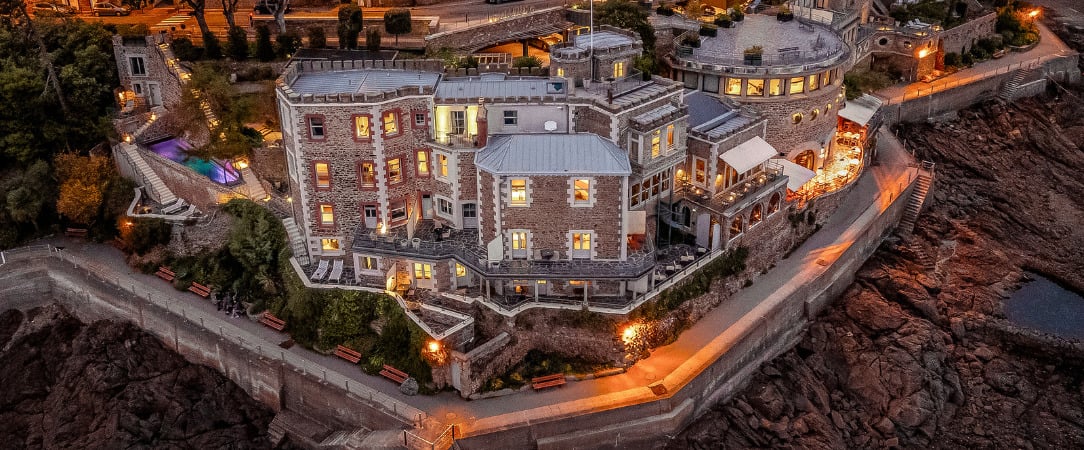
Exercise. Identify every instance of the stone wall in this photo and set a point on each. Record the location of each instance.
(512, 28)
(185, 183)
(961, 38)
(790, 138)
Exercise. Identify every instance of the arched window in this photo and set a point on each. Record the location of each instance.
(806, 159)
(813, 115)
(736, 226)
(756, 215)
(773, 204)
(796, 118)
(686, 216)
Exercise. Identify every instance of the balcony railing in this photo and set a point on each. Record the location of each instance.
(455, 140)
(736, 197)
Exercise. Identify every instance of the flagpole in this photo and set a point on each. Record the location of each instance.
(591, 51)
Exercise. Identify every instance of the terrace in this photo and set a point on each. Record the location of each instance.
(783, 45)
(732, 201)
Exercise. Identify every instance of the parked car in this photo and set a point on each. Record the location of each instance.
(269, 6)
(110, 9)
(52, 9)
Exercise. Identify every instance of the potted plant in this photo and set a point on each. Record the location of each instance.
(723, 20)
(664, 10)
(784, 14)
(691, 41)
(710, 30)
(753, 55)
(737, 15)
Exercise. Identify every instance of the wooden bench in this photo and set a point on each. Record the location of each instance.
(547, 381)
(165, 274)
(76, 232)
(347, 353)
(200, 290)
(273, 322)
(394, 374)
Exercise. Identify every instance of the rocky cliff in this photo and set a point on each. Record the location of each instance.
(110, 385)
(917, 353)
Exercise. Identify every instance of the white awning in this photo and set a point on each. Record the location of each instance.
(861, 109)
(749, 154)
(797, 176)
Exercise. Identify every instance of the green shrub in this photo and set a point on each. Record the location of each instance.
(723, 20)
(664, 10)
(212, 49)
(349, 26)
(144, 234)
(372, 39)
(237, 43)
(737, 15)
(527, 61)
(265, 51)
(952, 59)
(317, 39)
(707, 29)
(288, 43)
(184, 50)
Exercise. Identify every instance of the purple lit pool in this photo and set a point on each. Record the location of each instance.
(175, 149)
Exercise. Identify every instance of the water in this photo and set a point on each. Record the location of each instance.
(1045, 306)
(174, 149)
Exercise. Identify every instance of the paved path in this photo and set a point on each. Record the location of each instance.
(879, 183)
(1049, 47)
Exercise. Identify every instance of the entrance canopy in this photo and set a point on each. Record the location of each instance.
(797, 175)
(749, 154)
(861, 109)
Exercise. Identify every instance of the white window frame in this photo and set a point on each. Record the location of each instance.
(142, 65)
(514, 117)
(526, 201)
(440, 202)
(312, 128)
(334, 251)
(363, 260)
(514, 237)
(592, 243)
(426, 270)
(443, 164)
(385, 124)
(707, 172)
(572, 189)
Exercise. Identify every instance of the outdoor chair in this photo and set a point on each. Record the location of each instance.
(321, 270)
(336, 271)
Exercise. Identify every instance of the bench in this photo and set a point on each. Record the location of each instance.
(394, 374)
(274, 322)
(547, 381)
(200, 290)
(165, 274)
(347, 353)
(76, 232)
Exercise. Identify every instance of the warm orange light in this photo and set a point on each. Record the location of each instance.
(434, 346)
(631, 333)
(923, 53)
(241, 164)
(1033, 14)
(383, 228)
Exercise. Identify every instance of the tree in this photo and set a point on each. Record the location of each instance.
(288, 43)
(278, 10)
(212, 49)
(317, 39)
(238, 44)
(527, 61)
(265, 51)
(198, 8)
(397, 21)
(210, 89)
(229, 8)
(372, 39)
(349, 26)
(627, 15)
(257, 241)
(31, 190)
(83, 180)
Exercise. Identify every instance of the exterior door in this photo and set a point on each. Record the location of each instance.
(470, 215)
(427, 206)
(423, 275)
(154, 96)
(370, 216)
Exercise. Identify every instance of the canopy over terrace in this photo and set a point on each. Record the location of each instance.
(797, 175)
(861, 110)
(749, 154)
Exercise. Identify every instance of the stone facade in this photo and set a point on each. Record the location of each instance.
(501, 30)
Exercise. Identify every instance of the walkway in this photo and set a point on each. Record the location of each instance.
(879, 184)
(1049, 47)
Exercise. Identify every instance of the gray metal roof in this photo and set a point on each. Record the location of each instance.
(655, 114)
(499, 86)
(552, 154)
(602, 40)
(711, 116)
(362, 81)
(861, 109)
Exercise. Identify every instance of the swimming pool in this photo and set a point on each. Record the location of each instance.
(175, 149)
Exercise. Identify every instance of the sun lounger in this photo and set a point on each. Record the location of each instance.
(336, 271)
(321, 270)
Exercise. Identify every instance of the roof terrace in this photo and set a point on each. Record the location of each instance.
(782, 44)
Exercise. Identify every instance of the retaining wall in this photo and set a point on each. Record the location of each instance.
(642, 417)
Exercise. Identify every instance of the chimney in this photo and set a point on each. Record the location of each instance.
(483, 125)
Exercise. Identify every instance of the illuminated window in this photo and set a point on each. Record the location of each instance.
(670, 137)
(423, 271)
(581, 241)
(560, 71)
(460, 270)
(775, 88)
(756, 215)
(459, 122)
(370, 263)
(423, 163)
(327, 214)
(519, 192)
(813, 83)
(655, 138)
(323, 175)
(368, 174)
(736, 226)
(362, 127)
(826, 78)
(581, 191)
(619, 69)
(329, 244)
(796, 118)
(813, 115)
(754, 88)
(442, 166)
(733, 86)
(316, 127)
(519, 240)
(395, 170)
(634, 194)
(700, 170)
(827, 107)
(391, 123)
(797, 85)
(575, 282)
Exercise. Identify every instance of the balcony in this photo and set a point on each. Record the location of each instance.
(432, 243)
(732, 201)
(455, 140)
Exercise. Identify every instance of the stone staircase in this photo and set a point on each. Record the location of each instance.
(252, 188)
(922, 254)
(1009, 89)
(156, 188)
(297, 243)
(345, 439)
(276, 431)
(918, 197)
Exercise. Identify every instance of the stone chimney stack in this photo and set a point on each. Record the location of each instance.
(483, 125)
